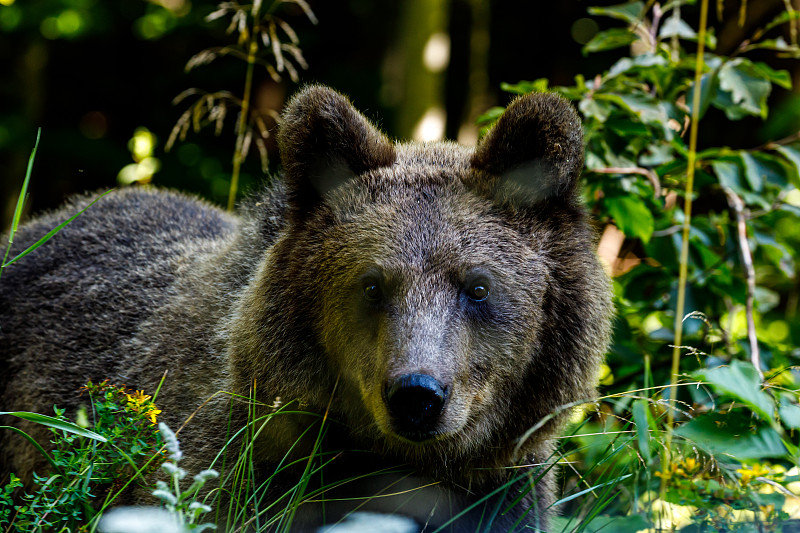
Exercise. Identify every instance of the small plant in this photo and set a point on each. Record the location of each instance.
(262, 38)
(89, 469)
(181, 503)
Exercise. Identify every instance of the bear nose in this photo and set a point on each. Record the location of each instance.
(415, 402)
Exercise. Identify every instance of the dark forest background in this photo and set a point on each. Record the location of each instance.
(89, 73)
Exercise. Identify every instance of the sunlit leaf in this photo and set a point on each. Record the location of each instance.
(789, 413)
(778, 77)
(675, 27)
(778, 44)
(708, 88)
(593, 108)
(609, 40)
(782, 18)
(747, 87)
(792, 155)
(55, 423)
(643, 61)
(657, 154)
(525, 87)
(631, 216)
(751, 171)
(729, 175)
(630, 12)
(732, 435)
(776, 253)
(740, 381)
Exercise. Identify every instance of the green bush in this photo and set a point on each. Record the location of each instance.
(89, 469)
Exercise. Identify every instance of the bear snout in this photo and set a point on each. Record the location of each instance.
(415, 403)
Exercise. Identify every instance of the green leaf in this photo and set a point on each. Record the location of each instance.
(746, 86)
(729, 175)
(491, 116)
(709, 83)
(740, 381)
(675, 27)
(657, 154)
(752, 172)
(20, 202)
(643, 420)
(775, 252)
(609, 40)
(55, 423)
(732, 435)
(593, 108)
(602, 524)
(789, 413)
(630, 12)
(627, 128)
(525, 87)
(631, 215)
(638, 63)
(778, 44)
(792, 155)
(782, 18)
(778, 77)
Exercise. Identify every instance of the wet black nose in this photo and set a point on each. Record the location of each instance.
(415, 402)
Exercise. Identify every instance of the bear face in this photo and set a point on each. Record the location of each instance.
(450, 295)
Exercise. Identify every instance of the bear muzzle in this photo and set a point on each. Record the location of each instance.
(415, 403)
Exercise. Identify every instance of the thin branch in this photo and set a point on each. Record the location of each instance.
(737, 205)
(649, 174)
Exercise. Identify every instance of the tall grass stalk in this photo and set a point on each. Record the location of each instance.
(687, 225)
(241, 125)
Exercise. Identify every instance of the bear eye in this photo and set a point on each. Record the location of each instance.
(372, 293)
(478, 291)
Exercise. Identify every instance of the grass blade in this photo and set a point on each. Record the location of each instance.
(590, 489)
(24, 191)
(20, 202)
(55, 423)
(36, 445)
(55, 230)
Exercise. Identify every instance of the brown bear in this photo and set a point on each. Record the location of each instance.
(426, 304)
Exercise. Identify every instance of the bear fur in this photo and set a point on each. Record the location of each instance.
(367, 261)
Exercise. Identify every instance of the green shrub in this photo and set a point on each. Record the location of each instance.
(89, 469)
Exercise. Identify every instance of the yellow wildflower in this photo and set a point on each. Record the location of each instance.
(748, 474)
(152, 412)
(673, 469)
(690, 464)
(139, 397)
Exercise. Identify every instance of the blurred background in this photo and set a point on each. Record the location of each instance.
(99, 78)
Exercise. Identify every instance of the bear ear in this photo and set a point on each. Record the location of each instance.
(536, 149)
(324, 142)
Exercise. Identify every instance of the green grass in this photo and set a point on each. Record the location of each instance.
(610, 462)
